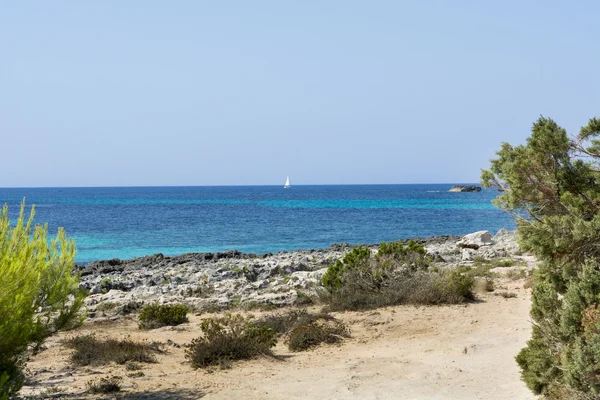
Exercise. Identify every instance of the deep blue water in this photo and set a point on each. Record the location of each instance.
(136, 221)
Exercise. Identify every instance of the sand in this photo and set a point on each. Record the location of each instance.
(404, 352)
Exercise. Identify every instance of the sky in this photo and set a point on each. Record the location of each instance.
(151, 93)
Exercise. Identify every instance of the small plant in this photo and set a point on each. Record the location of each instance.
(516, 274)
(311, 334)
(154, 315)
(105, 285)
(92, 351)
(479, 260)
(507, 295)
(137, 374)
(283, 323)
(489, 285)
(504, 263)
(111, 384)
(303, 299)
(133, 366)
(229, 338)
(130, 307)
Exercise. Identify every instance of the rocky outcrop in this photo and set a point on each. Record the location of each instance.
(475, 240)
(469, 188)
(208, 280)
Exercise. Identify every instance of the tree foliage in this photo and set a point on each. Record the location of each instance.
(552, 186)
(39, 293)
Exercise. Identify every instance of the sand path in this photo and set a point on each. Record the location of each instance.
(450, 352)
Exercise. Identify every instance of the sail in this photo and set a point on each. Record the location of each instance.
(287, 182)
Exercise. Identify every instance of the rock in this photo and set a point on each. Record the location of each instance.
(467, 255)
(475, 240)
(217, 279)
(469, 188)
(96, 289)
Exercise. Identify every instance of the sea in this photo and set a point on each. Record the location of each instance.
(127, 222)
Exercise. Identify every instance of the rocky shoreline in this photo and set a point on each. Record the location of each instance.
(223, 280)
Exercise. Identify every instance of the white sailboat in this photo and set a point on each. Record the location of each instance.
(287, 183)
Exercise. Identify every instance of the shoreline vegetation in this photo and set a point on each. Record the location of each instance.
(233, 279)
(201, 315)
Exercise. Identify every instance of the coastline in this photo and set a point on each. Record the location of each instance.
(454, 351)
(230, 279)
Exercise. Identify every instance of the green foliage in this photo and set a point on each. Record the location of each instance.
(360, 291)
(396, 274)
(229, 338)
(89, 350)
(357, 258)
(154, 315)
(390, 256)
(552, 187)
(39, 293)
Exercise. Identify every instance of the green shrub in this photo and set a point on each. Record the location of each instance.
(357, 258)
(229, 338)
(360, 291)
(89, 350)
(111, 384)
(551, 185)
(154, 315)
(309, 334)
(390, 256)
(39, 292)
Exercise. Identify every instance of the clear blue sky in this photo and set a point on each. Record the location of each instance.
(246, 92)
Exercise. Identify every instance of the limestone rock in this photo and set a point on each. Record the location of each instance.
(475, 240)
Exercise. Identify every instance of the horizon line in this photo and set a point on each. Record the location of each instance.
(263, 185)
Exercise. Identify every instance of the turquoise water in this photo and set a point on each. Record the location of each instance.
(136, 221)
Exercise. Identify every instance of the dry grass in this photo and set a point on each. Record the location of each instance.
(89, 350)
(310, 334)
(111, 384)
(360, 291)
(229, 338)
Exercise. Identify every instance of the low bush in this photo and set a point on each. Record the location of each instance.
(507, 295)
(515, 275)
(489, 285)
(133, 366)
(390, 256)
(154, 315)
(90, 350)
(359, 292)
(397, 274)
(229, 338)
(111, 384)
(283, 323)
(309, 334)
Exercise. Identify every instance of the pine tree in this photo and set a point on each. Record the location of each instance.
(39, 292)
(551, 185)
